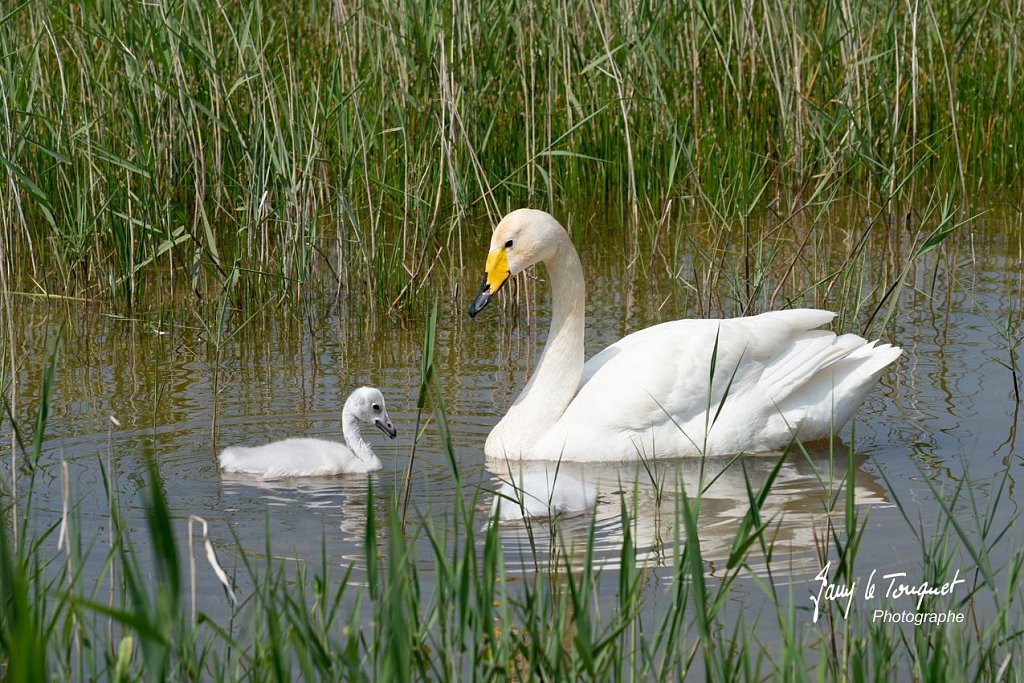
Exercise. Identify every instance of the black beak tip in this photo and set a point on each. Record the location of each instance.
(388, 428)
(481, 300)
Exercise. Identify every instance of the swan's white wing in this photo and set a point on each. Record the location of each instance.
(291, 458)
(653, 391)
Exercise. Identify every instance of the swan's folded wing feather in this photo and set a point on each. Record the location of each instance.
(803, 358)
(673, 359)
(831, 395)
(661, 378)
(786, 322)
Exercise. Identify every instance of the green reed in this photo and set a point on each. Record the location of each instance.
(156, 147)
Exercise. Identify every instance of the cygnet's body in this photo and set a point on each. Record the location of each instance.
(319, 457)
(542, 494)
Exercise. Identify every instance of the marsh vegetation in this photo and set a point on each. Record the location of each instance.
(220, 217)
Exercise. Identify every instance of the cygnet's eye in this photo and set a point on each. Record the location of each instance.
(376, 408)
(508, 245)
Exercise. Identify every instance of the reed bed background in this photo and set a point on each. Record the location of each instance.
(201, 142)
(233, 158)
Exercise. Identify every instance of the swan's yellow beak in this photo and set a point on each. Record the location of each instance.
(496, 276)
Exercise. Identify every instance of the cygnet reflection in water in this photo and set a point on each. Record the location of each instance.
(343, 498)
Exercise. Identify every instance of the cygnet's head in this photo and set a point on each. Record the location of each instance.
(366, 404)
(522, 238)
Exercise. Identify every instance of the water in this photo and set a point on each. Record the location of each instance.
(944, 415)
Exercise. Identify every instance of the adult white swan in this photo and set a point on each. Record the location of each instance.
(653, 392)
(317, 457)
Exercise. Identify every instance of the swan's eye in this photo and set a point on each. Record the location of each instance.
(376, 408)
(508, 245)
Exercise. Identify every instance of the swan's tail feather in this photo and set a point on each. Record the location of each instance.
(824, 403)
(806, 356)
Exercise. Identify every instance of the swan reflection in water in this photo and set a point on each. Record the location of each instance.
(803, 498)
(542, 492)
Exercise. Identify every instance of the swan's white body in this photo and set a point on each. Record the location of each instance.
(653, 393)
(297, 458)
(318, 457)
(543, 494)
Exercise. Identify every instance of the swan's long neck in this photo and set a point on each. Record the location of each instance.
(557, 376)
(560, 367)
(354, 436)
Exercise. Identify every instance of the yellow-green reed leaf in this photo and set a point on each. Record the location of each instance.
(602, 59)
(574, 155)
(211, 240)
(4, 18)
(940, 234)
(29, 184)
(137, 623)
(112, 158)
(179, 236)
(124, 659)
(43, 411)
(48, 151)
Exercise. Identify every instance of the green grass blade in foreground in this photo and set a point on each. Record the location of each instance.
(426, 375)
(43, 409)
(23, 646)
